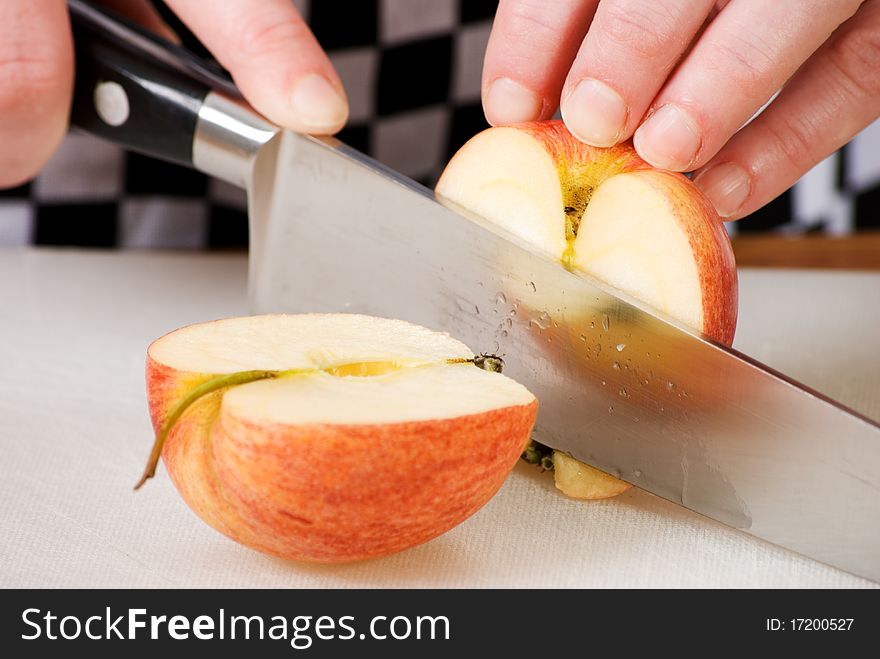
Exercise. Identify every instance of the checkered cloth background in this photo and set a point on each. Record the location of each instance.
(412, 72)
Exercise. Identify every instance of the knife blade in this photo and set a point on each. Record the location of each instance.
(620, 386)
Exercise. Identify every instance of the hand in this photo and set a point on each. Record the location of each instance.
(272, 55)
(681, 77)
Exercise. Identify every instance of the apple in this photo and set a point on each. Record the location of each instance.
(581, 481)
(606, 212)
(331, 437)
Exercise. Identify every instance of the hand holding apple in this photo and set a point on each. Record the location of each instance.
(690, 82)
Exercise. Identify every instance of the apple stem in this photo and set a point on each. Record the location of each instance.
(491, 363)
(205, 388)
(487, 362)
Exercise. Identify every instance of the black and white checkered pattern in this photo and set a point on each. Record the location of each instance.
(93, 194)
(840, 195)
(412, 72)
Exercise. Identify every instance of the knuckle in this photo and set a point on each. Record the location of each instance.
(746, 61)
(795, 139)
(527, 19)
(646, 29)
(262, 33)
(525, 33)
(30, 78)
(855, 54)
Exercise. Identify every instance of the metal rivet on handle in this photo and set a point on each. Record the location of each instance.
(111, 103)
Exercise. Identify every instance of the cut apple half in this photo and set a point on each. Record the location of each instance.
(344, 437)
(606, 212)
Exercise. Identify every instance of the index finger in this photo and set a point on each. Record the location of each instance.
(274, 59)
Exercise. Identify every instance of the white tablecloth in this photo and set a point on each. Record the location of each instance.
(74, 435)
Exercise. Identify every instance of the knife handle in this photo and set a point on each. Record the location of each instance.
(137, 90)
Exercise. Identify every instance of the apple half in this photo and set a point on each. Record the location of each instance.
(607, 212)
(331, 437)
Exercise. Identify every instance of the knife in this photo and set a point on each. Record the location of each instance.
(621, 386)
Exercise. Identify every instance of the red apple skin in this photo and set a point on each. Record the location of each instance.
(333, 493)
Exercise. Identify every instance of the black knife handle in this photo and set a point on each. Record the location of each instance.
(136, 89)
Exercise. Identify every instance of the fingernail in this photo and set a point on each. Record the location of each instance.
(318, 104)
(727, 185)
(595, 113)
(508, 102)
(669, 139)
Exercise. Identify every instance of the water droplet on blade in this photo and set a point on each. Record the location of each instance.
(621, 347)
(501, 298)
(543, 321)
(606, 322)
(616, 366)
(533, 287)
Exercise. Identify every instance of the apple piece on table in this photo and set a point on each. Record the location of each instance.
(606, 212)
(370, 435)
(581, 481)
